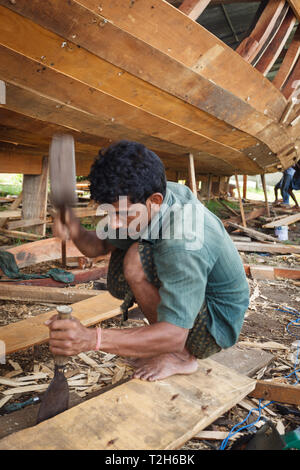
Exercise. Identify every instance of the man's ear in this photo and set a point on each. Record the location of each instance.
(154, 201)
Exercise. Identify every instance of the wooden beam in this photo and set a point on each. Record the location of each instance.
(289, 394)
(271, 53)
(100, 45)
(291, 86)
(117, 103)
(140, 415)
(252, 45)
(295, 4)
(26, 333)
(240, 200)
(193, 8)
(66, 295)
(35, 197)
(216, 61)
(263, 180)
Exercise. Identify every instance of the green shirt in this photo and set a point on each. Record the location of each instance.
(196, 261)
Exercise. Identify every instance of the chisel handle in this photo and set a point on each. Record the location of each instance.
(63, 243)
(64, 313)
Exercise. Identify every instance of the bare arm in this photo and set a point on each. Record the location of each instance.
(70, 337)
(85, 240)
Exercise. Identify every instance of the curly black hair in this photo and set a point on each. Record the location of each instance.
(126, 169)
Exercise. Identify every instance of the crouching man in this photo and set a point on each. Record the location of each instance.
(170, 255)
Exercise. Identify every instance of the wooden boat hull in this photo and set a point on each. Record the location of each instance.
(103, 73)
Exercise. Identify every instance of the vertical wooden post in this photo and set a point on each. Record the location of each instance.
(240, 200)
(209, 187)
(263, 180)
(192, 175)
(244, 186)
(35, 196)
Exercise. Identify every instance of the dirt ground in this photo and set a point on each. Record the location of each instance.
(264, 322)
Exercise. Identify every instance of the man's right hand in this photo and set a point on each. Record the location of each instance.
(69, 230)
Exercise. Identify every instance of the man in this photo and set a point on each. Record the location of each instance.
(289, 181)
(172, 256)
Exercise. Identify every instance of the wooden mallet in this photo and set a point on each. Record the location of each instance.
(62, 177)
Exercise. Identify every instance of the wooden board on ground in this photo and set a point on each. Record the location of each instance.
(289, 394)
(31, 331)
(244, 361)
(253, 233)
(41, 251)
(267, 248)
(291, 219)
(140, 415)
(66, 295)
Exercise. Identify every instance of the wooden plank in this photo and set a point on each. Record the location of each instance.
(41, 251)
(26, 333)
(289, 61)
(251, 46)
(66, 295)
(271, 272)
(275, 47)
(295, 4)
(291, 219)
(193, 8)
(141, 415)
(282, 393)
(267, 248)
(67, 64)
(11, 213)
(132, 49)
(16, 162)
(206, 54)
(25, 223)
(35, 198)
(19, 235)
(254, 233)
(13, 206)
(291, 86)
(245, 361)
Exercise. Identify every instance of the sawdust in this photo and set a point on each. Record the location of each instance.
(96, 371)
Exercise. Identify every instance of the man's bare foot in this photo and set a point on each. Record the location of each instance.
(163, 366)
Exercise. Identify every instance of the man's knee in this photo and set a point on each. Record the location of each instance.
(132, 265)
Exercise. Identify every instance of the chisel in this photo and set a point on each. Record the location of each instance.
(56, 398)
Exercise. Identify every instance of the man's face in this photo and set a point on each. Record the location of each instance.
(132, 217)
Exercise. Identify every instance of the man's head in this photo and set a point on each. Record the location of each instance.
(128, 170)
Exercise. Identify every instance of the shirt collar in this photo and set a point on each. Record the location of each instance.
(151, 232)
